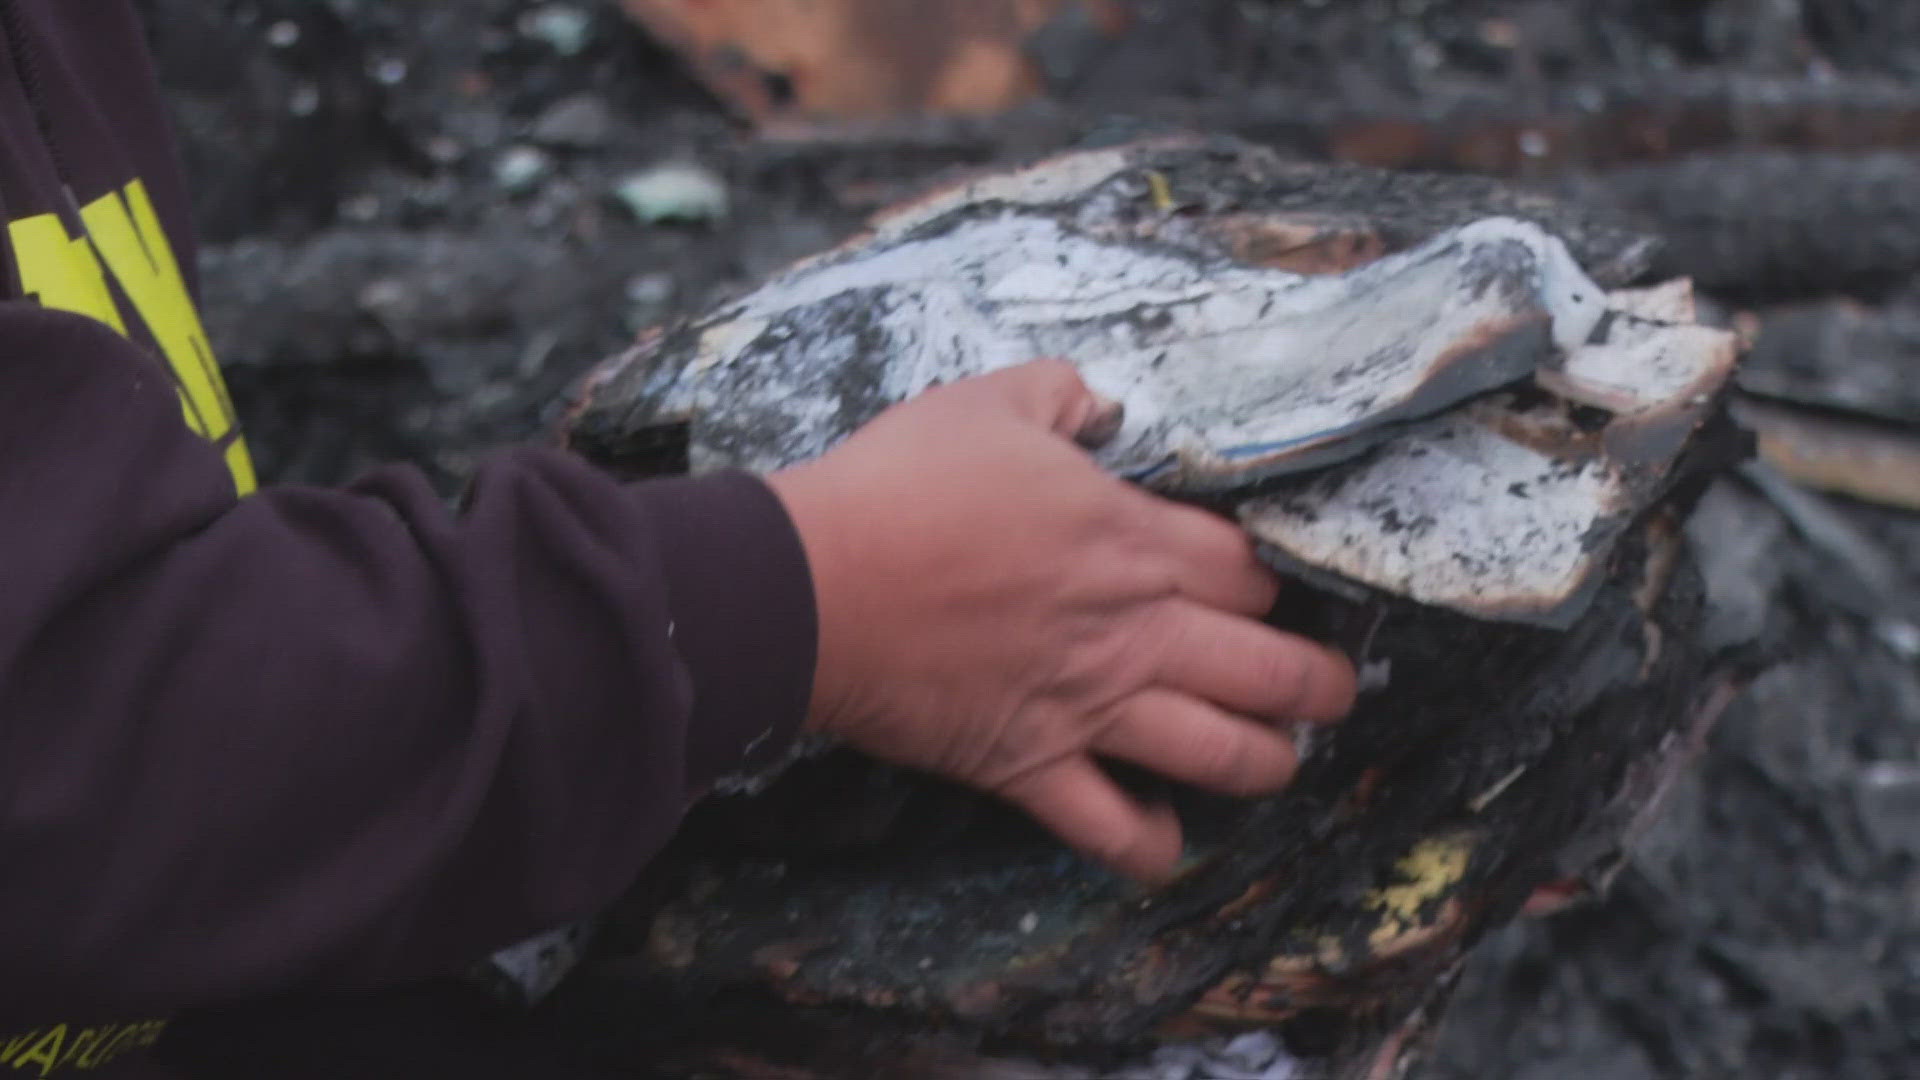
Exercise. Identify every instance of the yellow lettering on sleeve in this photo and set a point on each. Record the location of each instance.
(117, 1040)
(45, 1051)
(62, 270)
(82, 1041)
(125, 228)
(97, 1042)
(64, 273)
(14, 1044)
(63, 1048)
(240, 464)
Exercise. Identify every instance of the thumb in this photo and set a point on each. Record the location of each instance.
(1051, 394)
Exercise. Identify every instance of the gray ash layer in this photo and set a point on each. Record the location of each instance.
(1235, 376)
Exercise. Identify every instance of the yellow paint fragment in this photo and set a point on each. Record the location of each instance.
(1162, 191)
(1433, 869)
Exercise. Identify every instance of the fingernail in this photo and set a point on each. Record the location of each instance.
(1109, 416)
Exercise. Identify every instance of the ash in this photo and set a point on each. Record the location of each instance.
(1254, 1055)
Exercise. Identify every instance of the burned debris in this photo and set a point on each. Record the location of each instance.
(1479, 454)
(1765, 926)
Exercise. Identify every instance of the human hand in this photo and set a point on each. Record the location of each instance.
(996, 608)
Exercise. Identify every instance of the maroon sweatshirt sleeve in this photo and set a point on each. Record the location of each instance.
(338, 737)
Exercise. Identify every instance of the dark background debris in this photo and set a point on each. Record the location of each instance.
(416, 240)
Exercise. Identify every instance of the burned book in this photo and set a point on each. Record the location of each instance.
(1442, 405)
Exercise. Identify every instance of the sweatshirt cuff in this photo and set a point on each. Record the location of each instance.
(742, 616)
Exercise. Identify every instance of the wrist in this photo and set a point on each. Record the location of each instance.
(809, 503)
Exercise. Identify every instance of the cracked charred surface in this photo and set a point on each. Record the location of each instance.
(1233, 373)
(887, 919)
(1190, 344)
(848, 919)
(1182, 251)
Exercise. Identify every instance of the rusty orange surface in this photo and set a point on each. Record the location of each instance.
(863, 59)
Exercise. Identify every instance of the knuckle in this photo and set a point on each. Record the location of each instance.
(1284, 672)
(1056, 373)
(1051, 386)
(1202, 533)
(1161, 632)
(1133, 518)
(1221, 755)
(1225, 541)
(1129, 660)
(1162, 580)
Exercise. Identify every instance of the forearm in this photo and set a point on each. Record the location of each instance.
(348, 736)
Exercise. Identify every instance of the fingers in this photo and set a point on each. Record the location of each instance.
(1190, 740)
(1216, 561)
(1085, 808)
(1248, 668)
(1051, 394)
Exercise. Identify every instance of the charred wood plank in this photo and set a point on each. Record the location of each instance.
(1874, 462)
(1775, 224)
(1495, 129)
(1634, 121)
(1837, 356)
(1522, 718)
